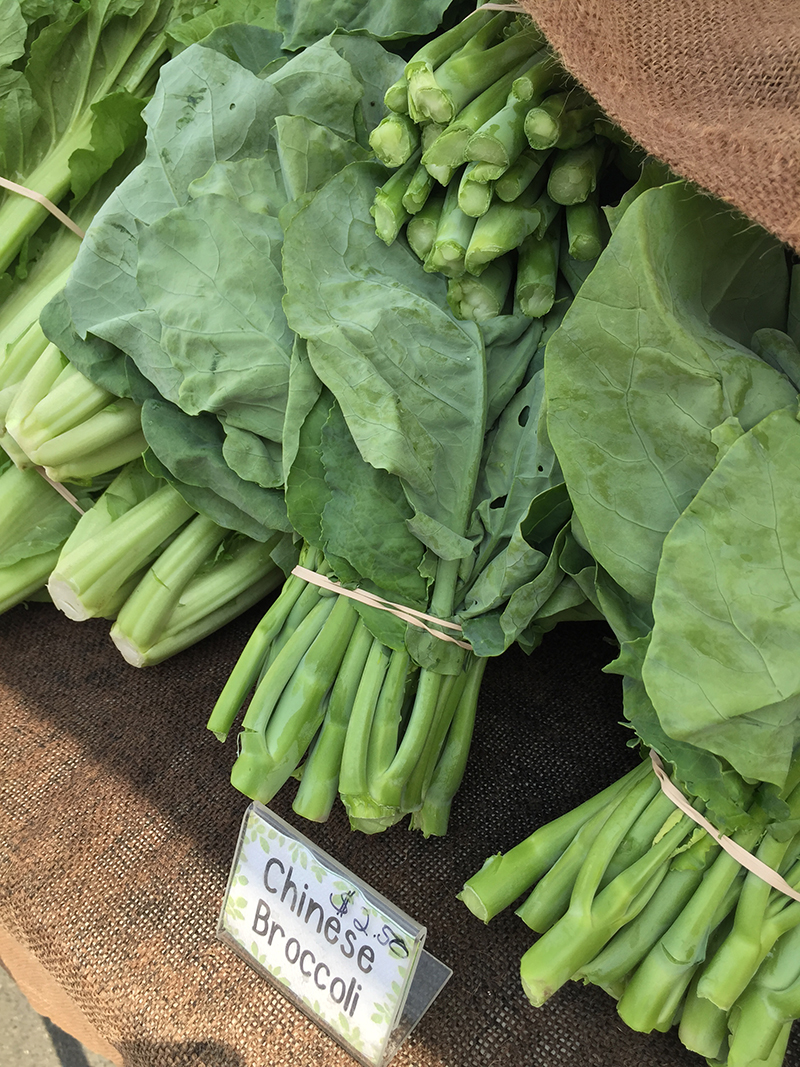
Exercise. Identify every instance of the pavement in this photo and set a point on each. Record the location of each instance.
(27, 1039)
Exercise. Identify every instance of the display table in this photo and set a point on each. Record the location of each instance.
(118, 825)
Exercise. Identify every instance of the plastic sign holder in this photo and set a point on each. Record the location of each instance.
(335, 947)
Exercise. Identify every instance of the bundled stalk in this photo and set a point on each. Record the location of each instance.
(37, 520)
(629, 893)
(59, 420)
(518, 147)
(167, 576)
(353, 718)
(114, 542)
(205, 577)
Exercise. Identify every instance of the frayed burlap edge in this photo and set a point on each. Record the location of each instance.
(709, 88)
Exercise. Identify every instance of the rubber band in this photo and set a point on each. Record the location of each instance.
(61, 490)
(745, 858)
(40, 199)
(409, 615)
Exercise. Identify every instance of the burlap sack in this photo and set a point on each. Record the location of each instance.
(118, 823)
(712, 87)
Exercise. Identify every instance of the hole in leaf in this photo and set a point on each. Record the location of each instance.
(522, 418)
(498, 502)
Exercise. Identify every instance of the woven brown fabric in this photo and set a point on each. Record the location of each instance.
(712, 87)
(118, 822)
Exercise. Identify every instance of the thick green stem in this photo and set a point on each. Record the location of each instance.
(319, 783)
(586, 232)
(474, 68)
(145, 612)
(514, 181)
(36, 384)
(448, 150)
(453, 236)
(418, 190)
(423, 87)
(506, 876)
(388, 716)
(474, 195)
(422, 227)
(655, 990)
(588, 854)
(574, 173)
(758, 1021)
(502, 138)
(315, 676)
(439, 48)
(387, 208)
(299, 710)
(251, 660)
(434, 815)
(640, 835)
(18, 360)
(116, 422)
(703, 1027)
(266, 759)
(280, 670)
(396, 96)
(22, 579)
(354, 784)
(395, 139)
(537, 273)
(753, 933)
(484, 297)
(563, 120)
(620, 957)
(114, 453)
(594, 917)
(72, 399)
(449, 695)
(20, 310)
(503, 228)
(188, 593)
(21, 216)
(194, 624)
(88, 577)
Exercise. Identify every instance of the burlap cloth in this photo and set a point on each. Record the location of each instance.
(710, 86)
(118, 823)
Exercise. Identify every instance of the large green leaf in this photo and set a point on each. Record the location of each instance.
(518, 464)
(650, 358)
(189, 451)
(210, 273)
(409, 377)
(305, 21)
(722, 668)
(260, 13)
(365, 519)
(187, 135)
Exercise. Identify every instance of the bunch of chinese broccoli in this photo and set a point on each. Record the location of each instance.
(672, 406)
(72, 445)
(244, 309)
(630, 894)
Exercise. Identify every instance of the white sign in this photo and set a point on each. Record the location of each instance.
(339, 950)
